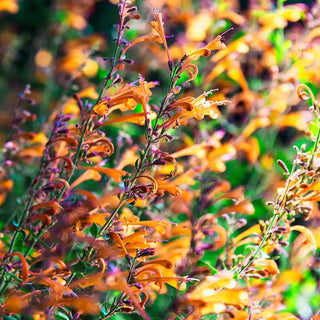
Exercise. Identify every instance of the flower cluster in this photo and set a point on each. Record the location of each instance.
(139, 184)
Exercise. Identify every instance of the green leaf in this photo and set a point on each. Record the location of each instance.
(79, 267)
(61, 316)
(8, 318)
(209, 265)
(94, 230)
(314, 128)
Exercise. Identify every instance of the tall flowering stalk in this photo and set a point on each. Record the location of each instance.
(115, 217)
(295, 199)
(49, 212)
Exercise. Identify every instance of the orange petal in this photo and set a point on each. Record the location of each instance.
(158, 27)
(230, 296)
(24, 269)
(137, 118)
(89, 195)
(68, 162)
(99, 218)
(147, 37)
(138, 236)
(196, 149)
(72, 142)
(205, 52)
(222, 186)
(172, 189)
(145, 269)
(308, 234)
(132, 297)
(32, 152)
(284, 316)
(24, 135)
(170, 122)
(110, 200)
(88, 175)
(49, 204)
(298, 120)
(314, 186)
(236, 74)
(244, 207)
(163, 262)
(254, 230)
(159, 226)
(255, 124)
(16, 303)
(6, 185)
(129, 158)
(91, 279)
(57, 288)
(82, 304)
(251, 148)
(192, 71)
(176, 282)
(216, 44)
(232, 16)
(101, 108)
(267, 264)
(115, 174)
(235, 194)
(116, 238)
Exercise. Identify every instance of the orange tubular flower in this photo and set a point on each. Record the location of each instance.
(9, 6)
(158, 27)
(192, 69)
(126, 98)
(193, 108)
(215, 293)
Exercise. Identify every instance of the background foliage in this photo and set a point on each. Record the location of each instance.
(225, 155)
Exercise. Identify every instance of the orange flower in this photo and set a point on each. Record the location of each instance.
(115, 174)
(192, 69)
(310, 238)
(215, 44)
(17, 302)
(87, 175)
(126, 98)
(5, 187)
(90, 280)
(24, 274)
(9, 5)
(245, 207)
(267, 265)
(169, 187)
(158, 27)
(83, 304)
(193, 108)
(137, 118)
(216, 292)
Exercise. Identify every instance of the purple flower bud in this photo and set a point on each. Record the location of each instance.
(129, 61)
(52, 169)
(168, 137)
(132, 9)
(63, 131)
(138, 286)
(66, 117)
(146, 252)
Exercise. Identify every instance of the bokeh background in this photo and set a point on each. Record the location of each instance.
(58, 48)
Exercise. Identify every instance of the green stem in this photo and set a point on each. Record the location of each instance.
(141, 165)
(263, 241)
(12, 243)
(110, 220)
(315, 147)
(277, 214)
